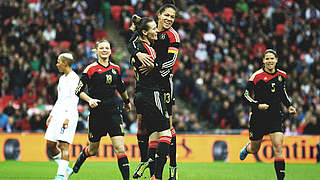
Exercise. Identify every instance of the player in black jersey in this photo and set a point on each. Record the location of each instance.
(265, 92)
(167, 47)
(103, 78)
(151, 111)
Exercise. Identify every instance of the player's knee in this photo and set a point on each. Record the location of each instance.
(119, 150)
(277, 147)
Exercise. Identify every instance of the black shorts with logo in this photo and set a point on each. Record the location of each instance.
(167, 91)
(263, 123)
(155, 117)
(104, 120)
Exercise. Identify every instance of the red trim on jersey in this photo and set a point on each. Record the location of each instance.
(267, 77)
(150, 50)
(173, 35)
(101, 69)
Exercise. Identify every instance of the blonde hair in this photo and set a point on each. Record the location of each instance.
(97, 44)
(67, 57)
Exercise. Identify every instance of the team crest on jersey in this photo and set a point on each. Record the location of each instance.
(280, 78)
(108, 79)
(113, 71)
(162, 36)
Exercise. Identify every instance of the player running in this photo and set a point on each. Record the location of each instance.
(103, 78)
(268, 86)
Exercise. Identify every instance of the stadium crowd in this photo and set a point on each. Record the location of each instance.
(222, 45)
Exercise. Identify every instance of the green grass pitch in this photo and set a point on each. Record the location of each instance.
(15, 170)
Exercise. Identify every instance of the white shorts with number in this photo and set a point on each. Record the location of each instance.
(56, 133)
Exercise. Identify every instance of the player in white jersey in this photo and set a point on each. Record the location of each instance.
(63, 119)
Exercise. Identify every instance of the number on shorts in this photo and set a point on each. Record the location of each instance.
(167, 97)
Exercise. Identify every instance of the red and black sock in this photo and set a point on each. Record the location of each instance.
(161, 155)
(123, 164)
(152, 154)
(143, 143)
(173, 149)
(279, 166)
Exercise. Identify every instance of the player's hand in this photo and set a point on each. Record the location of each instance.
(48, 121)
(292, 110)
(127, 107)
(94, 102)
(145, 59)
(263, 106)
(65, 124)
(146, 69)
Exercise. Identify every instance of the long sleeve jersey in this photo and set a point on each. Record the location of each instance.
(102, 82)
(145, 81)
(266, 88)
(167, 48)
(67, 101)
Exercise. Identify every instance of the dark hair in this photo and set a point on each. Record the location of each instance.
(140, 23)
(270, 51)
(167, 4)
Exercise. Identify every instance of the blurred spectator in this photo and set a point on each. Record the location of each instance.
(38, 122)
(10, 125)
(9, 109)
(312, 128)
(24, 123)
(3, 119)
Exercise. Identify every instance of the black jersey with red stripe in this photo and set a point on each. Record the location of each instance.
(102, 82)
(167, 48)
(150, 80)
(267, 88)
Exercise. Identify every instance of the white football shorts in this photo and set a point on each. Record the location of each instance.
(56, 133)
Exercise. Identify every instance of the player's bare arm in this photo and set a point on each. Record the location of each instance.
(92, 102)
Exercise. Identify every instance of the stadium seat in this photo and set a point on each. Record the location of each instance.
(115, 12)
(280, 28)
(227, 14)
(99, 35)
(5, 99)
(65, 44)
(131, 9)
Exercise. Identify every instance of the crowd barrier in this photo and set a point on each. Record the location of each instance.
(190, 148)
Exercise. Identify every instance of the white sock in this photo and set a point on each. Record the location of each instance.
(62, 168)
(57, 158)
